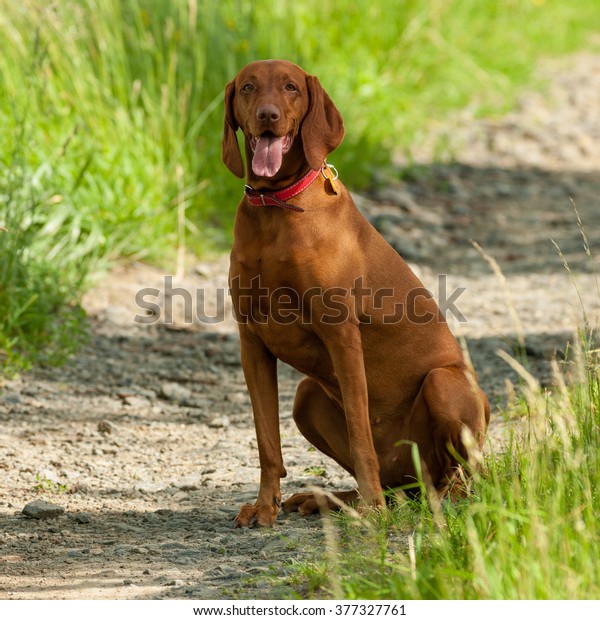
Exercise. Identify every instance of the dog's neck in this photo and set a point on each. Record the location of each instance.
(280, 198)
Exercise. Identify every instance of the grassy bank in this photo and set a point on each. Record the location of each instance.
(112, 116)
(529, 530)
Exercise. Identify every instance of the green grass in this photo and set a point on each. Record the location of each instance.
(530, 528)
(45, 253)
(116, 109)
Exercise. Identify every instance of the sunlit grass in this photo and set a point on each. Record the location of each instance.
(529, 529)
(529, 526)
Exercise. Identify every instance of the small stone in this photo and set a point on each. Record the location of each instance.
(176, 583)
(189, 483)
(175, 391)
(197, 403)
(105, 427)
(40, 509)
(11, 399)
(75, 553)
(83, 517)
(151, 518)
(219, 422)
(125, 549)
(149, 486)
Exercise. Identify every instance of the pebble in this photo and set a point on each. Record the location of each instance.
(151, 518)
(219, 422)
(105, 427)
(126, 549)
(149, 486)
(175, 582)
(190, 483)
(40, 509)
(197, 403)
(175, 392)
(75, 553)
(83, 517)
(10, 399)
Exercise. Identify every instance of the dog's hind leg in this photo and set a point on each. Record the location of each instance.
(449, 408)
(322, 421)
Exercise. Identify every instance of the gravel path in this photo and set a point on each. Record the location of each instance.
(145, 437)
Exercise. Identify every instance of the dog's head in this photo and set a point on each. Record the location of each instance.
(284, 113)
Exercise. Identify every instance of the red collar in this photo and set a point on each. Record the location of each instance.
(280, 197)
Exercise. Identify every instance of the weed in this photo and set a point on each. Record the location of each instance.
(45, 485)
(316, 470)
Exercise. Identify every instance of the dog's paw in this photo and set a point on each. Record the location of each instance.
(303, 503)
(252, 515)
(311, 503)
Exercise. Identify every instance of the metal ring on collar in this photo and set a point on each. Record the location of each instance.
(331, 167)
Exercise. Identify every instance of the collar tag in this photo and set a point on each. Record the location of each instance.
(331, 174)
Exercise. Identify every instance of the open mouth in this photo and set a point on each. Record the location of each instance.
(269, 150)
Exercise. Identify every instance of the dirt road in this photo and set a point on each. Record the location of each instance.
(145, 438)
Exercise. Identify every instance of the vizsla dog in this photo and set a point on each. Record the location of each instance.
(314, 285)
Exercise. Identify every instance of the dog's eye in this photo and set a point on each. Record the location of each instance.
(248, 88)
(291, 87)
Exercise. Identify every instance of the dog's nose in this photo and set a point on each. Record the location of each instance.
(268, 112)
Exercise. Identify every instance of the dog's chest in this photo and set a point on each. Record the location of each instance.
(264, 288)
(270, 298)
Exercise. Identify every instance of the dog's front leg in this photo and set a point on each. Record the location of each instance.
(345, 348)
(260, 371)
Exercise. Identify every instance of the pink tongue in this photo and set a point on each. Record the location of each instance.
(267, 156)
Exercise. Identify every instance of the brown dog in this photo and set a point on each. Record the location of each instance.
(314, 285)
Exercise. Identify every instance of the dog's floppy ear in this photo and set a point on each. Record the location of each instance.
(230, 148)
(323, 127)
